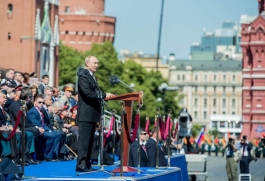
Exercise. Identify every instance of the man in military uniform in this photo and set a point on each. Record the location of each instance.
(68, 90)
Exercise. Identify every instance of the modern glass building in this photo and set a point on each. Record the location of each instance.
(224, 43)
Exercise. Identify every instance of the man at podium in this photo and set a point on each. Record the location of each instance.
(90, 109)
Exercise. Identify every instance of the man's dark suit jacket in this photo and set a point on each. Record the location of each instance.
(151, 153)
(13, 111)
(89, 97)
(41, 89)
(133, 155)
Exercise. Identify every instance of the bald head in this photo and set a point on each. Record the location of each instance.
(91, 63)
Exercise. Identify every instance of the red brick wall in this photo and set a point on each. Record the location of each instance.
(80, 31)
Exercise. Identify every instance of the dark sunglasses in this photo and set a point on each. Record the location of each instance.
(41, 102)
(143, 133)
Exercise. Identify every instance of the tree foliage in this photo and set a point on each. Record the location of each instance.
(129, 72)
(214, 132)
(195, 130)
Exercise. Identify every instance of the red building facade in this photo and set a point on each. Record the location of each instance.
(82, 23)
(253, 96)
(28, 40)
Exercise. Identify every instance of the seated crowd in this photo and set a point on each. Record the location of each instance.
(51, 132)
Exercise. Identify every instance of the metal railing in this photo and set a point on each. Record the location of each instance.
(107, 117)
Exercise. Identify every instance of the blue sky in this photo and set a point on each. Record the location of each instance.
(183, 22)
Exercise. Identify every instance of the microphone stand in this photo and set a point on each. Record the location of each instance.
(100, 161)
(127, 86)
(138, 150)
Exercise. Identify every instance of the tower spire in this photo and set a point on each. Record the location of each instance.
(261, 6)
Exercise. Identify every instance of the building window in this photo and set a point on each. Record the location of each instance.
(222, 124)
(196, 77)
(10, 8)
(67, 9)
(233, 102)
(183, 77)
(234, 78)
(224, 77)
(9, 36)
(205, 77)
(195, 88)
(214, 77)
(214, 102)
(178, 77)
(214, 89)
(214, 124)
(234, 89)
(224, 102)
(214, 112)
(230, 124)
(224, 113)
(196, 102)
(66, 32)
(205, 102)
(196, 114)
(237, 125)
(205, 89)
(224, 89)
(204, 115)
(233, 113)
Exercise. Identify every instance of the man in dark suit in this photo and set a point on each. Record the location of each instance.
(44, 82)
(133, 154)
(151, 150)
(246, 156)
(52, 138)
(89, 111)
(25, 95)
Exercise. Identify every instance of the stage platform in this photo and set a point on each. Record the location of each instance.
(66, 171)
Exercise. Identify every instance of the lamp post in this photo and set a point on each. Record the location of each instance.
(159, 34)
(163, 88)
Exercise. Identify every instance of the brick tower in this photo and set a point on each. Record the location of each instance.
(83, 22)
(253, 99)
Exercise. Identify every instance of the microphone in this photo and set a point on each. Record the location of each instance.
(115, 80)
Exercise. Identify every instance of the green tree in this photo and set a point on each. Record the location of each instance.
(214, 132)
(195, 130)
(128, 72)
(70, 60)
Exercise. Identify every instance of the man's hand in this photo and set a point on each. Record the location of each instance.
(108, 95)
(65, 130)
(41, 130)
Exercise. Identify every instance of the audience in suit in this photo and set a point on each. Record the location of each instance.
(25, 95)
(43, 84)
(133, 153)
(51, 138)
(151, 147)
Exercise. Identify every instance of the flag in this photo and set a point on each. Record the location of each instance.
(200, 137)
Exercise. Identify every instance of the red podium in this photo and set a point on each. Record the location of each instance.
(128, 100)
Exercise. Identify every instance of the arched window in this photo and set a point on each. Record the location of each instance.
(9, 8)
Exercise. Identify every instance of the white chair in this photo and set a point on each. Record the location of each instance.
(244, 177)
